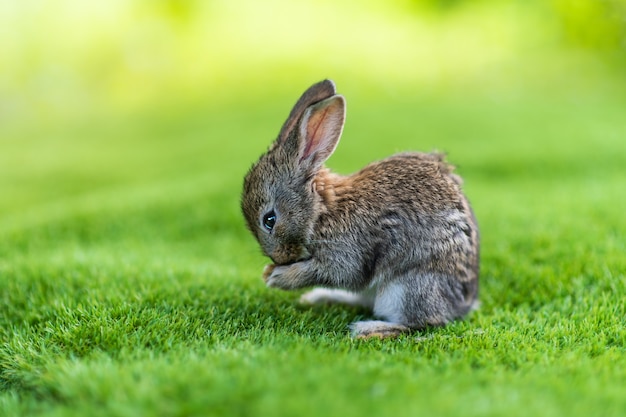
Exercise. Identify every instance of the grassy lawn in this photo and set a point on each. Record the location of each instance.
(129, 285)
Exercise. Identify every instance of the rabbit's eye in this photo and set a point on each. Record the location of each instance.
(269, 220)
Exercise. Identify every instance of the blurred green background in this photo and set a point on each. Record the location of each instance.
(70, 58)
(95, 93)
(98, 94)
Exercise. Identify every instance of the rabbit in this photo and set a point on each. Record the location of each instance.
(397, 237)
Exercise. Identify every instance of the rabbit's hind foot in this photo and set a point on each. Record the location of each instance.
(377, 329)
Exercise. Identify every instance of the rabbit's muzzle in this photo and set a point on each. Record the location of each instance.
(290, 253)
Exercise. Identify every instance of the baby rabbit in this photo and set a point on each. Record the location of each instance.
(398, 236)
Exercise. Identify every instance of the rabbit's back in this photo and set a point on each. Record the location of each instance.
(402, 213)
(409, 186)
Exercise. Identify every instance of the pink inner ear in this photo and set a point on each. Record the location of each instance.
(315, 132)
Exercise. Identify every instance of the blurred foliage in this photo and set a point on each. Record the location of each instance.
(68, 57)
(594, 24)
(597, 25)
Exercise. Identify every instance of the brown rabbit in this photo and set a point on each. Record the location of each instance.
(398, 236)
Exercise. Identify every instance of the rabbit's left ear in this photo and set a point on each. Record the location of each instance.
(320, 130)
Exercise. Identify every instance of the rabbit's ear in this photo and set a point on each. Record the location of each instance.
(320, 130)
(314, 94)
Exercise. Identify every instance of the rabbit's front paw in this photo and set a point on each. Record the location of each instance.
(286, 277)
(279, 277)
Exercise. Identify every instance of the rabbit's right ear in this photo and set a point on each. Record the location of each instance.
(314, 94)
(320, 130)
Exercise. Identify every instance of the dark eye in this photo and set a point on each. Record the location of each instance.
(269, 220)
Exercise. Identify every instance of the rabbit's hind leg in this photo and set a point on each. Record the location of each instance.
(389, 306)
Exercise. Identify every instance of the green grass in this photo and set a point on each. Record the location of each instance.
(129, 285)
